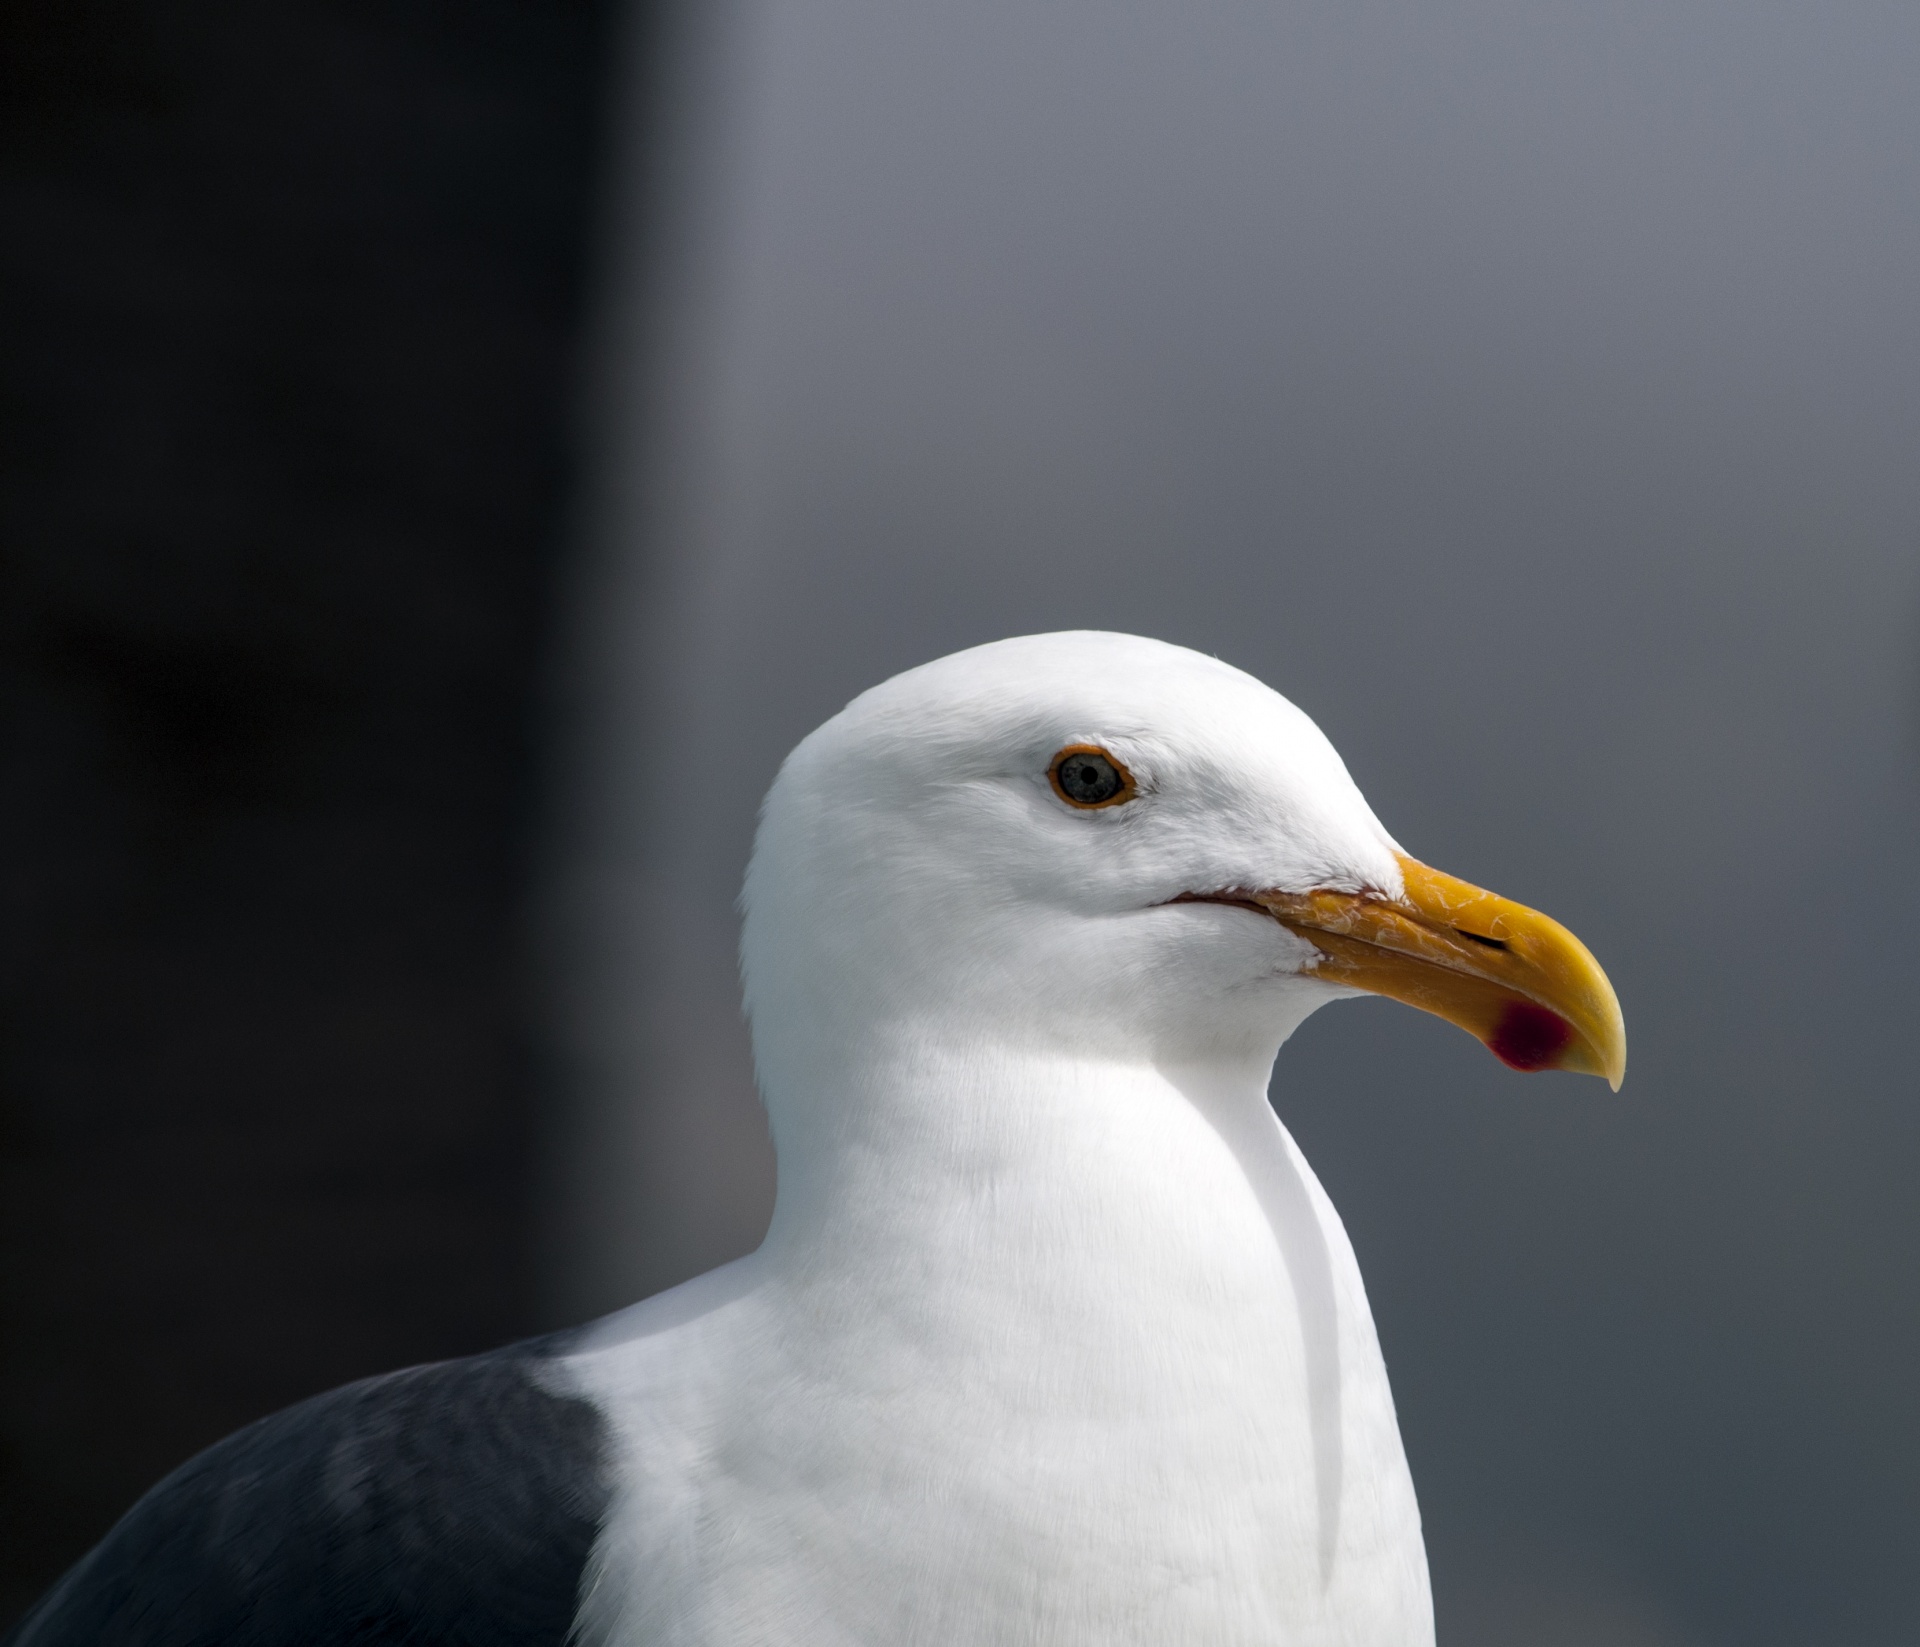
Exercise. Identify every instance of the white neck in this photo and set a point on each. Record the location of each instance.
(1053, 1350)
(951, 1161)
(1074, 1291)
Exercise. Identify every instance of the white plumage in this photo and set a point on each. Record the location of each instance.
(1055, 1337)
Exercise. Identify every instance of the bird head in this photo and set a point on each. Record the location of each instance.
(1098, 846)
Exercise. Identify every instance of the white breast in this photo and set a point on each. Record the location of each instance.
(1105, 1377)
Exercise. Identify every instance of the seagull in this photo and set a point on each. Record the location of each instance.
(1054, 1336)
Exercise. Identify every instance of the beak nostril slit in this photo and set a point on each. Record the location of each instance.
(1476, 938)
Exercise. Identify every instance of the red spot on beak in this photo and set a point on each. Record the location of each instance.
(1530, 1037)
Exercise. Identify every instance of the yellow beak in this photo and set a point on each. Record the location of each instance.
(1518, 980)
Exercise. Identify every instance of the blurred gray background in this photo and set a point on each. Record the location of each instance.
(453, 448)
(1531, 392)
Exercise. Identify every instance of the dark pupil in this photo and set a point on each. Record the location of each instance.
(1089, 778)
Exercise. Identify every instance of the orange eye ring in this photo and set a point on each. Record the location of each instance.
(1089, 778)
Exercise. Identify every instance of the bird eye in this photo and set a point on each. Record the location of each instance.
(1085, 776)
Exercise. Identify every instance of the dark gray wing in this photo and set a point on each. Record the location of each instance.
(445, 1506)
